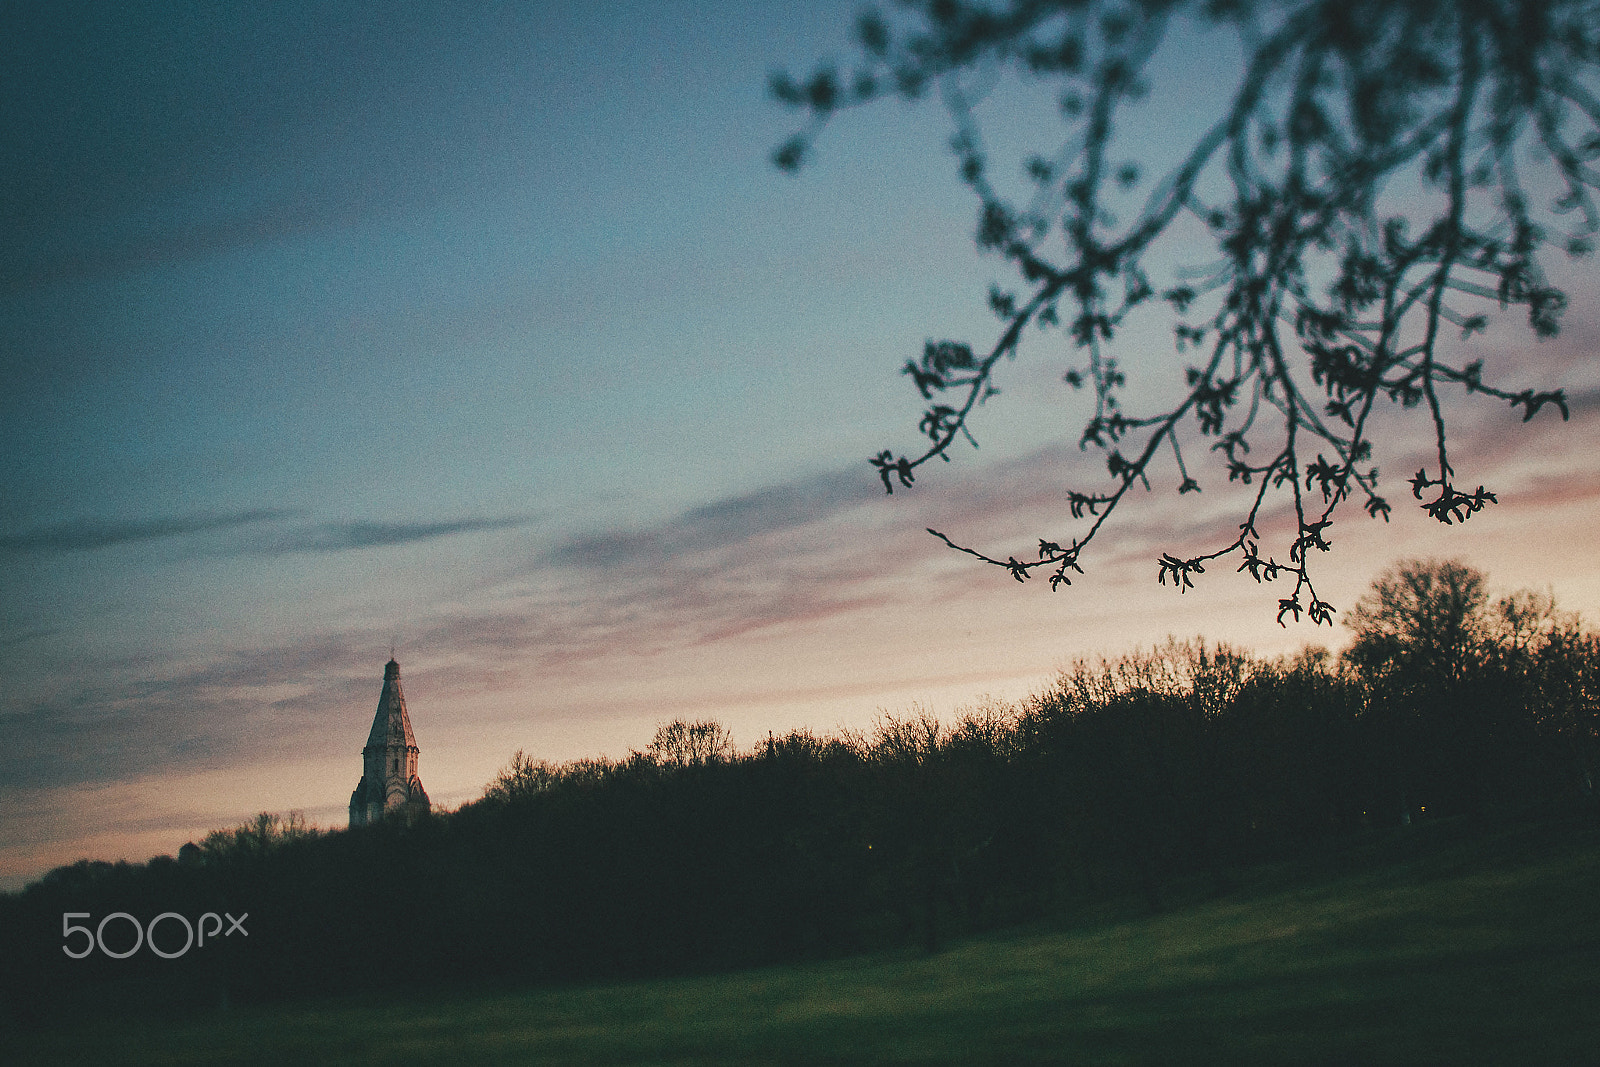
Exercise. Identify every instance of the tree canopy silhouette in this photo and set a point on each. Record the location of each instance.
(1422, 616)
(1368, 203)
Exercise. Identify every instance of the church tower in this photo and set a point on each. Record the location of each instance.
(389, 783)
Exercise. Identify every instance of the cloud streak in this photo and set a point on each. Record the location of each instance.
(797, 554)
(137, 716)
(88, 534)
(346, 536)
(720, 524)
(91, 534)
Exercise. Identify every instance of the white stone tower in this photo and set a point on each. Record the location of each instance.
(389, 782)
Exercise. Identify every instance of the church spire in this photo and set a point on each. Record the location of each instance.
(391, 725)
(389, 782)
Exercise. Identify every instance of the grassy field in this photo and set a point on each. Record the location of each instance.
(1413, 950)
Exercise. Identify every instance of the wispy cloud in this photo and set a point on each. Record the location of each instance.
(344, 536)
(141, 716)
(89, 534)
(789, 555)
(22, 637)
(722, 523)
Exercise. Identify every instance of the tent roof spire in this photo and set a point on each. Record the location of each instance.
(391, 725)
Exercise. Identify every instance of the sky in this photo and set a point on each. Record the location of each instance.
(487, 336)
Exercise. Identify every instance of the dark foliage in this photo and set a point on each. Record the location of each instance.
(1127, 778)
(1466, 699)
(1324, 288)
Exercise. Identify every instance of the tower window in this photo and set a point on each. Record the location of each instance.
(397, 765)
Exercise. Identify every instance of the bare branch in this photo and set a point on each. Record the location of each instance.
(1335, 101)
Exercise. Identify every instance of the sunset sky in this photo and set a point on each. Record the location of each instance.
(487, 332)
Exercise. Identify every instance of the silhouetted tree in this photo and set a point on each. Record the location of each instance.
(1366, 196)
(267, 832)
(523, 777)
(1419, 638)
(690, 744)
(1541, 679)
(1473, 701)
(1566, 674)
(1422, 619)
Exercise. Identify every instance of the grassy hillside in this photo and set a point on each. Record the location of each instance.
(1417, 948)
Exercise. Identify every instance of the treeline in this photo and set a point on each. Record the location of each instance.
(1188, 761)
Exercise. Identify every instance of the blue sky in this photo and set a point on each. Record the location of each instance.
(487, 332)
